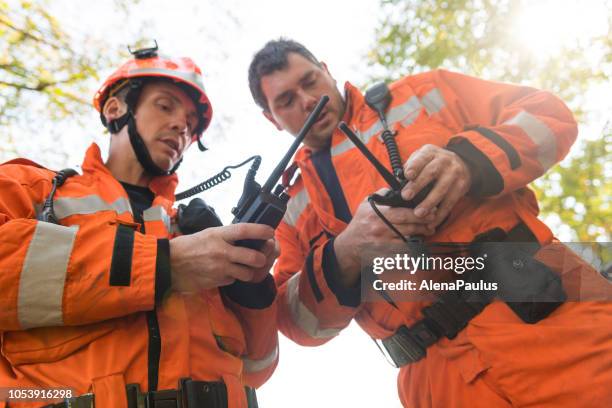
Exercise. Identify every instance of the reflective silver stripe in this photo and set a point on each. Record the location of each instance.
(300, 314)
(175, 229)
(295, 207)
(433, 101)
(405, 113)
(343, 146)
(191, 77)
(158, 213)
(540, 134)
(252, 366)
(41, 283)
(67, 206)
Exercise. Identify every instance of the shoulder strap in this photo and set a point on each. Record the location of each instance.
(47, 214)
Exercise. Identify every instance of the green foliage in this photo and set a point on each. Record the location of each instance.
(46, 73)
(481, 38)
(38, 56)
(580, 193)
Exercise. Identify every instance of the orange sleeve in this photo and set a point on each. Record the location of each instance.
(509, 134)
(255, 306)
(53, 275)
(313, 307)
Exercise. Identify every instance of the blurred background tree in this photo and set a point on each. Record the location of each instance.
(49, 69)
(52, 61)
(552, 45)
(46, 75)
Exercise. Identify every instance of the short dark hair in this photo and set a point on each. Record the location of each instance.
(273, 57)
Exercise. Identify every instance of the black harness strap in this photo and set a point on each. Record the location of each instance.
(452, 312)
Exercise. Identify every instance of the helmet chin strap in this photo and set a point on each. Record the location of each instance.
(138, 144)
(142, 153)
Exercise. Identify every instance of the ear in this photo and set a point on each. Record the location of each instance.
(324, 66)
(114, 108)
(269, 116)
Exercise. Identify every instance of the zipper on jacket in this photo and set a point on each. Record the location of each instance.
(154, 345)
(154, 349)
(154, 352)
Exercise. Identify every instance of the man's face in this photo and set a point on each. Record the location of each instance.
(165, 118)
(293, 92)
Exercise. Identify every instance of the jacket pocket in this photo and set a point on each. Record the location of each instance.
(225, 326)
(49, 344)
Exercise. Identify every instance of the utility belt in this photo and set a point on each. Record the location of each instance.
(453, 310)
(190, 394)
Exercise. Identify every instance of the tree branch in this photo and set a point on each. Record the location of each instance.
(27, 34)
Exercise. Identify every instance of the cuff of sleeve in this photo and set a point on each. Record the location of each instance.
(258, 295)
(346, 296)
(486, 180)
(163, 278)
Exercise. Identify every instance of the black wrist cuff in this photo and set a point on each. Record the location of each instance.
(258, 295)
(486, 180)
(331, 270)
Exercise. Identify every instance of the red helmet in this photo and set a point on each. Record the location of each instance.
(147, 64)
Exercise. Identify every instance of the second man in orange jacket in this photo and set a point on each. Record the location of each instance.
(481, 143)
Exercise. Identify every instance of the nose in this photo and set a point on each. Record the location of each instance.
(180, 123)
(308, 101)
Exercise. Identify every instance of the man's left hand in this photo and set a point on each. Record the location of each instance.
(450, 173)
(271, 251)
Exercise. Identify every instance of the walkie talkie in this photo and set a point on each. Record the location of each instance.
(378, 99)
(261, 205)
(393, 197)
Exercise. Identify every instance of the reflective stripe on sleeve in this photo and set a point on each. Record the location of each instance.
(158, 213)
(540, 134)
(43, 275)
(406, 113)
(297, 204)
(67, 206)
(433, 101)
(303, 317)
(253, 366)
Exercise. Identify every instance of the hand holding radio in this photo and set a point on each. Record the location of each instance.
(448, 175)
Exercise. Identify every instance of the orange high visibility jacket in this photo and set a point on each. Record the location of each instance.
(85, 304)
(528, 131)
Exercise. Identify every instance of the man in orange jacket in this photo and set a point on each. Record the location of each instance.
(480, 143)
(103, 301)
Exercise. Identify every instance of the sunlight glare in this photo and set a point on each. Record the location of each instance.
(545, 27)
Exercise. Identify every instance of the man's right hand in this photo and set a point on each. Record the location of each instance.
(209, 258)
(366, 227)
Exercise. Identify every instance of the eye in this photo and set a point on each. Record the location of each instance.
(310, 80)
(310, 83)
(164, 105)
(287, 102)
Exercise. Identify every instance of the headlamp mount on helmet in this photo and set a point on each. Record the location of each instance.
(145, 53)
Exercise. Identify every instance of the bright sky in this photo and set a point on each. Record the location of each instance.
(349, 371)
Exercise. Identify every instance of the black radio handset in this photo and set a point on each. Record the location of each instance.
(393, 197)
(378, 99)
(263, 205)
